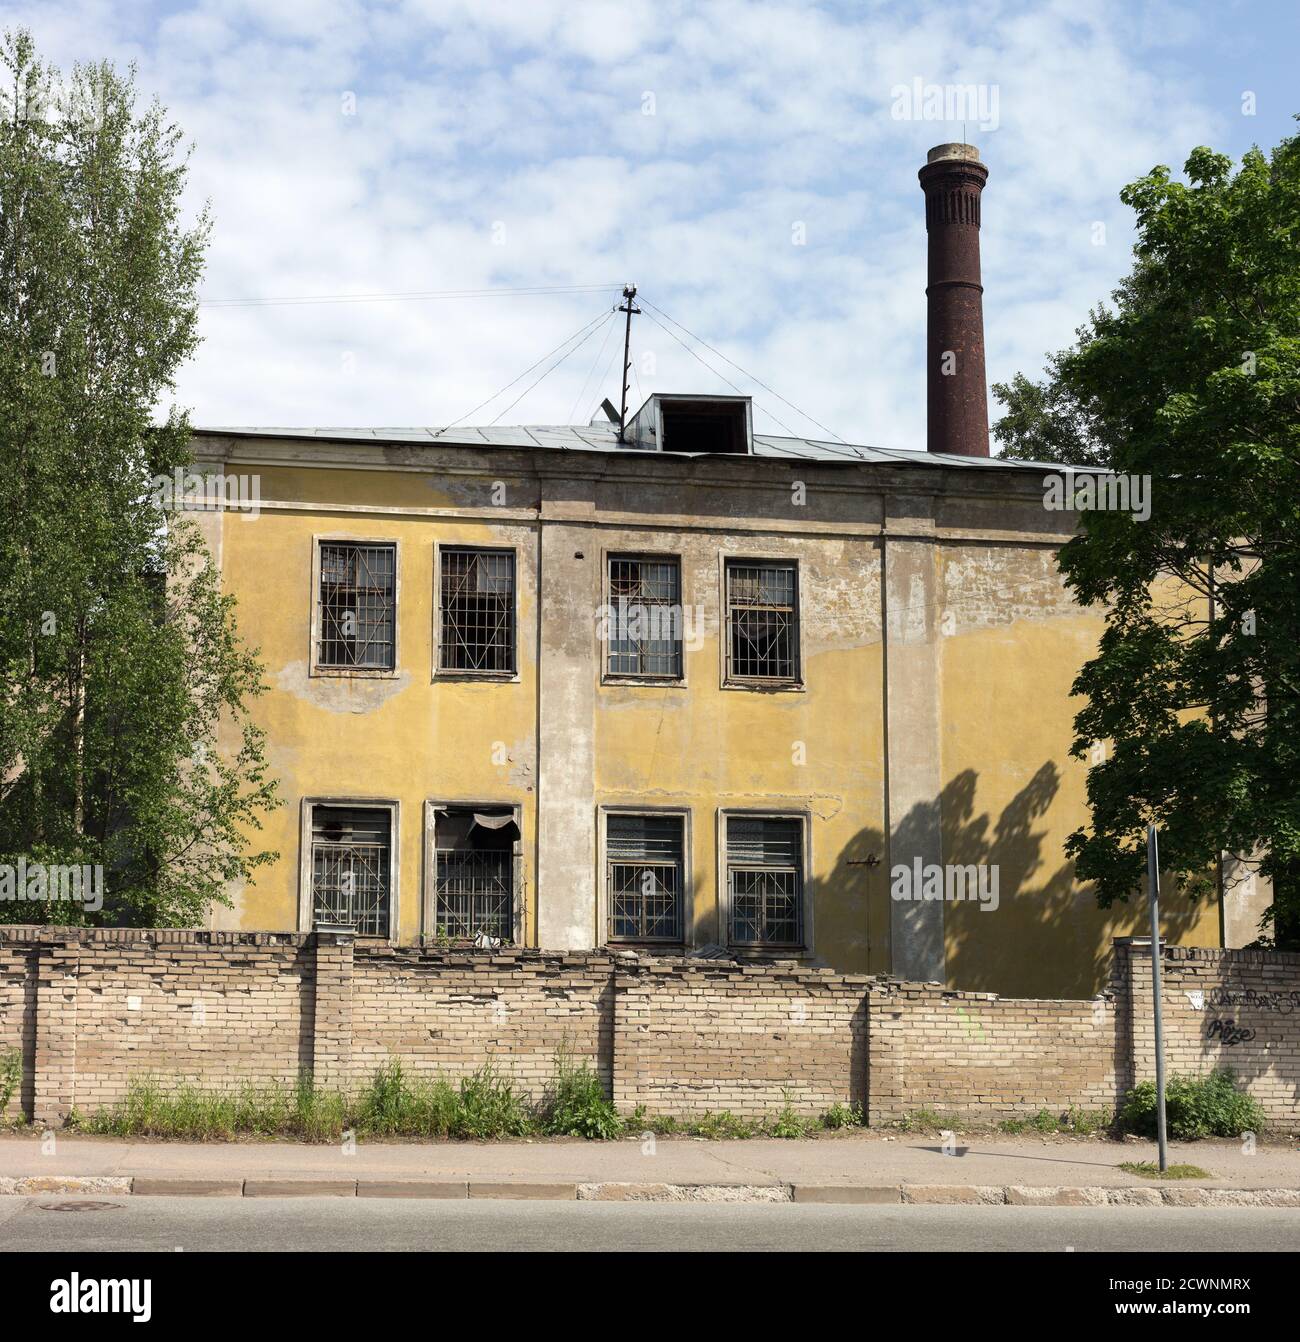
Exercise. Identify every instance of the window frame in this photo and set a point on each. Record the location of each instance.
(429, 865)
(315, 667)
(771, 685)
(306, 901)
(603, 900)
(439, 672)
(802, 949)
(608, 677)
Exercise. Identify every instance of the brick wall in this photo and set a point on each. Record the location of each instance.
(695, 1035)
(89, 1009)
(986, 1057)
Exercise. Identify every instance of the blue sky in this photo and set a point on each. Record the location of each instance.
(742, 163)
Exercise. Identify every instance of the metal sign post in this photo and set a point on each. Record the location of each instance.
(1153, 890)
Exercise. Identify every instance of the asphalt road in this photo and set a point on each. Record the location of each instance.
(345, 1224)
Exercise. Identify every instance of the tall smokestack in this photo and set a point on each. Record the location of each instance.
(957, 412)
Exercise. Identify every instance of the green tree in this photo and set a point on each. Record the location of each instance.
(119, 659)
(1191, 378)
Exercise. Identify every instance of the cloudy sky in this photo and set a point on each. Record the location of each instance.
(745, 164)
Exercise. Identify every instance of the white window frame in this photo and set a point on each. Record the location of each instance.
(429, 864)
(726, 680)
(607, 557)
(461, 673)
(602, 870)
(315, 668)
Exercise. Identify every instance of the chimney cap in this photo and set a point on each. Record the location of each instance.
(962, 151)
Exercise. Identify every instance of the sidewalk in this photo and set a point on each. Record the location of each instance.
(859, 1168)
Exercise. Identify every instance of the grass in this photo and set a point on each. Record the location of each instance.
(1080, 1122)
(483, 1106)
(1148, 1169)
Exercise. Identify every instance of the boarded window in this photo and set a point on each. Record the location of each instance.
(478, 611)
(765, 880)
(643, 877)
(358, 609)
(351, 862)
(645, 618)
(474, 855)
(762, 622)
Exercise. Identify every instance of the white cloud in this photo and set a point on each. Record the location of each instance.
(471, 112)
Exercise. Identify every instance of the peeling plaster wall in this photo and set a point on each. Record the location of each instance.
(938, 647)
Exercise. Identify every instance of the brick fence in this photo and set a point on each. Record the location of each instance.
(87, 1010)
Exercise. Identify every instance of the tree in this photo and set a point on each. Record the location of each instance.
(119, 658)
(1190, 379)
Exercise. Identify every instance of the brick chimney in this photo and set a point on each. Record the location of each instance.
(957, 413)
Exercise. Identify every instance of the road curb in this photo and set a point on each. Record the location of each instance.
(901, 1194)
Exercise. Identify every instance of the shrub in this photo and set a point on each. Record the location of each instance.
(11, 1073)
(576, 1105)
(488, 1107)
(843, 1116)
(1195, 1107)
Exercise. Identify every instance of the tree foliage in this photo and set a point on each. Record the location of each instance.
(1191, 378)
(119, 659)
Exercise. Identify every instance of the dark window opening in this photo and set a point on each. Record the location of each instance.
(474, 889)
(645, 618)
(762, 623)
(478, 611)
(765, 880)
(357, 612)
(643, 877)
(351, 862)
(704, 426)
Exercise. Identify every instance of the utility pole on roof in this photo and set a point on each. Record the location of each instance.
(629, 293)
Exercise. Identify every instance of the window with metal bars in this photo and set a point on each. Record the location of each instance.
(644, 876)
(645, 618)
(762, 622)
(474, 855)
(477, 601)
(357, 615)
(351, 862)
(765, 880)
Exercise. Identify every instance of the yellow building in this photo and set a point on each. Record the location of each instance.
(689, 687)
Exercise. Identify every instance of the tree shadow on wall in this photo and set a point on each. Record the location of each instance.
(1046, 938)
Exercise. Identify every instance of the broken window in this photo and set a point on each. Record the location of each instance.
(357, 614)
(762, 622)
(645, 618)
(474, 855)
(478, 611)
(643, 877)
(351, 862)
(765, 880)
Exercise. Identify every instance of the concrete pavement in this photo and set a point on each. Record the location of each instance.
(858, 1167)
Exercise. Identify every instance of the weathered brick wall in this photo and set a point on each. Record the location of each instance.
(89, 1009)
(1238, 1010)
(447, 1013)
(692, 1035)
(984, 1057)
(18, 1018)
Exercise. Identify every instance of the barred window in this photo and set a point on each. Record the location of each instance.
(645, 618)
(765, 880)
(478, 611)
(643, 876)
(358, 609)
(474, 854)
(351, 861)
(762, 622)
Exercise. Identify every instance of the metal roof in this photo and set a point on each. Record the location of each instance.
(604, 438)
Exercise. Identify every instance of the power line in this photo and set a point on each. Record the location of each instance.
(711, 369)
(300, 300)
(581, 331)
(582, 391)
(550, 370)
(748, 374)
